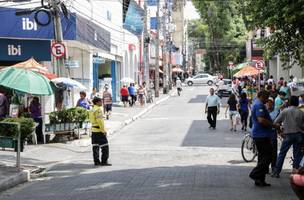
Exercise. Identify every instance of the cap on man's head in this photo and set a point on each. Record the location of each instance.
(96, 100)
(270, 99)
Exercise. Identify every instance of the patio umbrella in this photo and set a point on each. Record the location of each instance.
(33, 65)
(247, 71)
(177, 69)
(25, 81)
(69, 82)
(127, 80)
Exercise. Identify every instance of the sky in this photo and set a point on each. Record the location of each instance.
(190, 11)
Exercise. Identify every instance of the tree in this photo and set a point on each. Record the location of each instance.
(285, 20)
(221, 31)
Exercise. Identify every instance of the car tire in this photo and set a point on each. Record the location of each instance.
(210, 83)
(190, 83)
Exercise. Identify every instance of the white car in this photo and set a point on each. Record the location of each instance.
(200, 79)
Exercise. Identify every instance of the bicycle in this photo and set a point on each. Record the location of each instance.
(248, 149)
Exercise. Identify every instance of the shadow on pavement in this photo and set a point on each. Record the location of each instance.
(177, 183)
(200, 135)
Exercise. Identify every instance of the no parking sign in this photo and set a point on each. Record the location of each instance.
(58, 50)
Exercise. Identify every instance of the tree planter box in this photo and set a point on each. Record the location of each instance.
(9, 142)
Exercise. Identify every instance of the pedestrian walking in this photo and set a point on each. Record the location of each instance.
(94, 94)
(232, 106)
(124, 93)
(280, 101)
(179, 86)
(244, 107)
(292, 119)
(274, 138)
(99, 134)
(212, 108)
(261, 134)
(132, 93)
(141, 95)
(107, 102)
(286, 89)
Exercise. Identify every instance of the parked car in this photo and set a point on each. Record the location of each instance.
(200, 79)
(226, 90)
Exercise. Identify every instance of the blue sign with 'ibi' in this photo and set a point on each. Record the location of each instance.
(26, 27)
(20, 50)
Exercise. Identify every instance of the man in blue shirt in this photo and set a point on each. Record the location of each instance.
(261, 134)
(212, 108)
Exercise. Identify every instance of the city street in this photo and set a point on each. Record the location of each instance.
(169, 153)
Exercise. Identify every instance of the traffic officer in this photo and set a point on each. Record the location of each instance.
(99, 134)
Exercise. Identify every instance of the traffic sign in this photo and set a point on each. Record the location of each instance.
(231, 65)
(58, 50)
(259, 65)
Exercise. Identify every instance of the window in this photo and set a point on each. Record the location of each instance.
(199, 76)
(204, 76)
(109, 15)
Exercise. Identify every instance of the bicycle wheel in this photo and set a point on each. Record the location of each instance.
(248, 149)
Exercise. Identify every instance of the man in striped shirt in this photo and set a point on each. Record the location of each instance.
(107, 102)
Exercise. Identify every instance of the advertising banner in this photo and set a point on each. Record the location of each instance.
(134, 18)
(20, 50)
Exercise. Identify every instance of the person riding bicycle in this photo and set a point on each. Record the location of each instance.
(178, 85)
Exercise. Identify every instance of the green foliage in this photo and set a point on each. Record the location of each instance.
(71, 115)
(285, 19)
(27, 126)
(221, 31)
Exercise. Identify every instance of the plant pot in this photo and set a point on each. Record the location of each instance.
(7, 142)
(66, 126)
(57, 127)
(72, 126)
(61, 126)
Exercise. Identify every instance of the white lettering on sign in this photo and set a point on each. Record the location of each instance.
(14, 50)
(29, 25)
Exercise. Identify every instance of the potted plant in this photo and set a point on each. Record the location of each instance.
(81, 115)
(54, 121)
(10, 132)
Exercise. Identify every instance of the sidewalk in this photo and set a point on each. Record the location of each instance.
(45, 156)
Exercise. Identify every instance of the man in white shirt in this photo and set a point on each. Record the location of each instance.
(220, 87)
(178, 85)
(212, 108)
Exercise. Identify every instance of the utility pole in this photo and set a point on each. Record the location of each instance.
(157, 52)
(58, 34)
(170, 47)
(165, 62)
(146, 40)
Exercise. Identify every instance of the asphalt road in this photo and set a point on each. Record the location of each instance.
(168, 154)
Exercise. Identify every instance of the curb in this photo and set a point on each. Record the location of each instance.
(12, 181)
